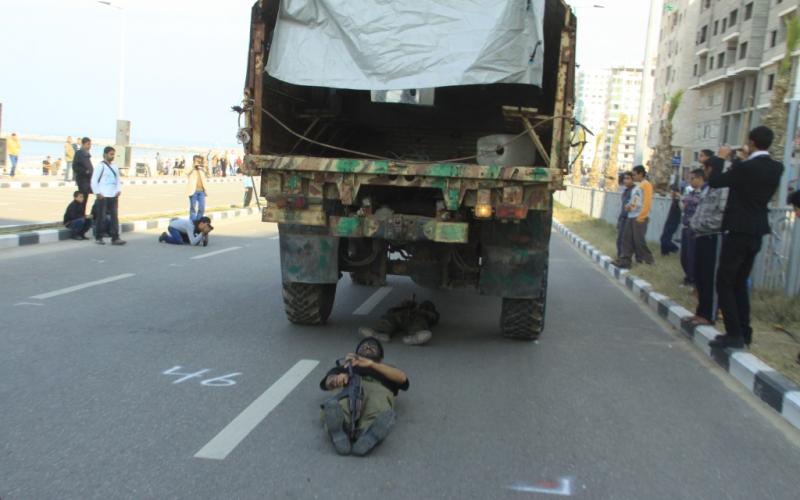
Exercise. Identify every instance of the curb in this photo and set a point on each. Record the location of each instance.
(124, 182)
(765, 382)
(55, 235)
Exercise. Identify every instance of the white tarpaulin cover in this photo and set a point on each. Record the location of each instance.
(407, 44)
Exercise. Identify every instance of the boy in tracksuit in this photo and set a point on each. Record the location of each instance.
(75, 219)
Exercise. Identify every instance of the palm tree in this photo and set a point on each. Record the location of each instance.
(776, 118)
(662, 156)
(594, 173)
(612, 170)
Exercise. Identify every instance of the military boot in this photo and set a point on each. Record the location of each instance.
(420, 337)
(334, 424)
(376, 433)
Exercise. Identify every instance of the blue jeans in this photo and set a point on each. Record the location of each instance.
(174, 237)
(79, 227)
(198, 200)
(13, 159)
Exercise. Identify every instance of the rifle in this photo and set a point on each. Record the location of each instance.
(353, 394)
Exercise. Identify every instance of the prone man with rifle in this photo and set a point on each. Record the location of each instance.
(361, 415)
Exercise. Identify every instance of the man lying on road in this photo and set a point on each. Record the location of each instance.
(362, 414)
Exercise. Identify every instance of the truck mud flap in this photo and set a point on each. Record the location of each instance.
(309, 258)
(513, 272)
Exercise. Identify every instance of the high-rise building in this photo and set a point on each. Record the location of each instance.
(725, 54)
(590, 106)
(624, 97)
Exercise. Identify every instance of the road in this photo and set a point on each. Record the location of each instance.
(36, 206)
(609, 404)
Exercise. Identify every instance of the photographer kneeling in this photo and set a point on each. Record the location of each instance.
(187, 232)
(362, 414)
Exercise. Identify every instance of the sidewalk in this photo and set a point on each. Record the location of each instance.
(36, 182)
(157, 221)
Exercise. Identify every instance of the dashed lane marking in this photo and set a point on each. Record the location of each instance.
(64, 291)
(211, 254)
(374, 299)
(233, 434)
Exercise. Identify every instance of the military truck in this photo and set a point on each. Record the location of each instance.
(362, 185)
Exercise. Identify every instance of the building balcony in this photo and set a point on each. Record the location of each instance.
(731, 37)
(723, 74)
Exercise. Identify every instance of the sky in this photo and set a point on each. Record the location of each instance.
(185, 64)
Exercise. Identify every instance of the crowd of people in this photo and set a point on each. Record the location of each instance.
(723, 215)
(104, 183)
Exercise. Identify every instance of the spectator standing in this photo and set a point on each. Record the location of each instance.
(196, 189)
(13, 147)
(248, 191)
(690, 201)
(75, 218)
(706, 224)
(625, 197)
(633, 240)
(46, 165)
(752, 184)
(69, 155)
(82, 170)
(106, 187)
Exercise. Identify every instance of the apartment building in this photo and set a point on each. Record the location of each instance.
(674, 72)
(591, 94)
(624, 97)
(726, 54)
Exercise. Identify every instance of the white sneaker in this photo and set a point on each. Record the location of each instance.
(366, 331)
(421, 337)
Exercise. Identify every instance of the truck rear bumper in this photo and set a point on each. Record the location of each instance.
(397, 227)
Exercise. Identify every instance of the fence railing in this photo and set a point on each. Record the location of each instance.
(772, 267)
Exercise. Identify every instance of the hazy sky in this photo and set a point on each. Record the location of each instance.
(185, 64)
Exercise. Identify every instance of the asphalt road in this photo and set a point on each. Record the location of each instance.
(35, 206)
(609, 404)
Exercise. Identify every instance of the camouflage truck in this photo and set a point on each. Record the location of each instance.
(357, 185)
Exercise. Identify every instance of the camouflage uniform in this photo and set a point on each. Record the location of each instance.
(412, 319)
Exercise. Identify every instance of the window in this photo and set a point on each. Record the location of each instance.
(711, 63)
(724, 24)
(706, 4)
(770, 82)
(716, 27)
(734, 17)
(721, 60)
(748, 11)
(694, 72)
(773, 38)
(742, 50)
(701, 36)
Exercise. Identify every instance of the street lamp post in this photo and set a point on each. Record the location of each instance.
(123, 128)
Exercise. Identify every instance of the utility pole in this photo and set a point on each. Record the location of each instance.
(123, 127)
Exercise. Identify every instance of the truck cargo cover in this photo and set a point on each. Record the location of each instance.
(408, 44)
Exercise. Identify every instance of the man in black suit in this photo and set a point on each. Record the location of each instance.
(83, 169)
(752, 184)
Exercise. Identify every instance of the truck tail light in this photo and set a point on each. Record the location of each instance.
(511, 212)
(483, 211)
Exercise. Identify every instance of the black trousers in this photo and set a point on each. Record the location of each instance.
(85, 187)
(706, 255)
(735, 264)
(108, 207)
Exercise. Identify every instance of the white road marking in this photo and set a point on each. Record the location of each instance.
(27, 304)
(374, 299)
(64, 291)
(211, 254)
(562, 488)
(229, 438)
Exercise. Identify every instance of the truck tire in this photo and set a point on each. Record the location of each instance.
(362, 278)
(308, 303)
(523, 319)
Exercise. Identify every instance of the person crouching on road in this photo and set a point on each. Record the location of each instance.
(187, 232)
(75, 219)
(196, 188)
(107, 189)
(357, 426)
